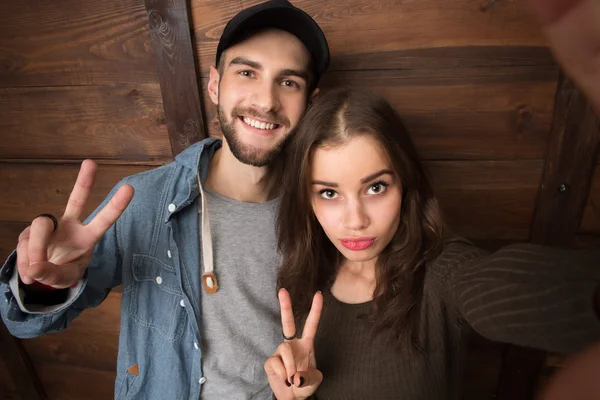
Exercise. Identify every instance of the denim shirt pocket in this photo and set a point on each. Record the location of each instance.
(156, 296)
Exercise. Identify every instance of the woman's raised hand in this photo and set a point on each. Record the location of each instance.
(292, 370)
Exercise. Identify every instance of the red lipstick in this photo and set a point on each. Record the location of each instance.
(357, 244)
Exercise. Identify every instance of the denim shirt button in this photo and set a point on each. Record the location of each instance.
(8, 296)
(196, 345)
(202, 380)
(158, 280)
(172, 207)
(169, 253)
(182, 303)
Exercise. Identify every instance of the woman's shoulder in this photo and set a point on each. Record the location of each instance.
(456, 252)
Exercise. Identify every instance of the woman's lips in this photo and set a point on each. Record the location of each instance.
(357, 244)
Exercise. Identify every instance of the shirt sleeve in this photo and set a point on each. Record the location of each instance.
(524, 294)
(32, 320)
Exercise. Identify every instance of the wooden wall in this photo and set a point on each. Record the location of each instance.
(473, 79)
(474, 82)
(78, 79)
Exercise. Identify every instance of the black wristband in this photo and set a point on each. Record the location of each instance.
(38, 296)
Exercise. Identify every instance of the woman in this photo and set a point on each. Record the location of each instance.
(395, 292)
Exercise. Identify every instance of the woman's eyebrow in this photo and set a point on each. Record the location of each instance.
(332, 184)
(376, 175)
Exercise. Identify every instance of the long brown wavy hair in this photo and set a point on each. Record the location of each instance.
(310, 260)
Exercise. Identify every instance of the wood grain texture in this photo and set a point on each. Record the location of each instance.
(590, 222)
(569, 168)
(174, 49)
(472, 113)
(29, 190)
(567, 174)
(8, 391)
(66, 382)
(116, 121)
(68, 42)
(9, 237)
(382, 34)
(19, 366)
(501, 193)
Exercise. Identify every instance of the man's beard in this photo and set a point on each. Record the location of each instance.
(247, 154)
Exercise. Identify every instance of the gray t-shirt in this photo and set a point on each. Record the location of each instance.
(240, 324)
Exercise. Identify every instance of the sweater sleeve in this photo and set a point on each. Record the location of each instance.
(525, 294)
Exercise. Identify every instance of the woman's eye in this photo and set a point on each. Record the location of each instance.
(377, 188)
(328, 194)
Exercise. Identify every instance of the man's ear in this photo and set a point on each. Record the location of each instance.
(213, 85)
(313, 96)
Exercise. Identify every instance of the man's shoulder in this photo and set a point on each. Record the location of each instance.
(187, 164)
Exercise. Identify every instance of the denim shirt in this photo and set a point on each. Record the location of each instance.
(152, 250)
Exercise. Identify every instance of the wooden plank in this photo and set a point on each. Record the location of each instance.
(466, 113)
(502, 193)
(58, 161)
(19, 366)
(67, 382)
(47, 188)
(590, 222)
(116, 121)
(174, 49)
(68, 42)
(400, 34)
(9, 236)
(568, 170)
(8, 391)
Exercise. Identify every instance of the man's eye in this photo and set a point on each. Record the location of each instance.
(289, 83)
(246, 73)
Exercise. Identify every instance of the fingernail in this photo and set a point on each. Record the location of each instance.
(301, 382)
(287, 383)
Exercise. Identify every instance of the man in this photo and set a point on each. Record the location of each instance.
(180, 338)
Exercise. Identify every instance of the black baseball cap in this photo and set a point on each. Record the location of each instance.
(280, 14)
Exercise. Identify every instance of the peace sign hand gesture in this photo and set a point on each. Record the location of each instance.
(59, 259)
(292, 370)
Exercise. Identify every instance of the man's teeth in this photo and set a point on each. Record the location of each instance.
(258, 125)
